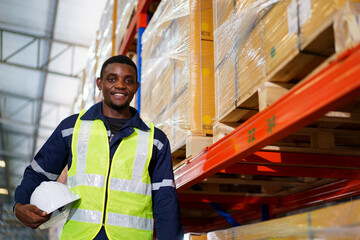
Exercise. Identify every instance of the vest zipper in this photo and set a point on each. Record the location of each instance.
(111, 137)
(107, 183)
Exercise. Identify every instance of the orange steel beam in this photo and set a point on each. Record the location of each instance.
(335, 85)
(327, 193)
(292, 171)
(318, 195)
(303, 159)
(297, 165)
(213, 198)
(135, 23)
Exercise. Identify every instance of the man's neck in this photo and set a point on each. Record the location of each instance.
(113, 113)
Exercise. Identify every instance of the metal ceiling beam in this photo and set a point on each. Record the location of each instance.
(14, 95)
(45, 75)
(42, 70)
(33, 39)
(42, 38)
(6, 116)
(25, 157)
(22, 124)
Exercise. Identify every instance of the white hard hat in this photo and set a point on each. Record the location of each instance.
(53, 197)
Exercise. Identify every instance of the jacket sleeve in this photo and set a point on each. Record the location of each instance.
(165, 198)
(49, 161)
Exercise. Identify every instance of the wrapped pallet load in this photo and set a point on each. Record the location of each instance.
(316, 16)
(239, 58)
(113, 24)
(282, 41)
(336, 222)
(177, 87)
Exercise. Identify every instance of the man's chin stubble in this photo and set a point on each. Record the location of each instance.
(118, 107)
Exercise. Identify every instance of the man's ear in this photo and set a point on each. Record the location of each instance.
(98, 83)
(137, 86)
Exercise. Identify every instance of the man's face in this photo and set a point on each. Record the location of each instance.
(118, 85)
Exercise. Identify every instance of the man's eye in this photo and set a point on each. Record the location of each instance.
(128, 80)
(111, 79)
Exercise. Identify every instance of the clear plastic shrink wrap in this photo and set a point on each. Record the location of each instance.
(339, 222)
(347, 27)
(165, 96)
(107, 47)
(86, 97)
(175, 94)
(254, 40)
(202, 67)
(313, 15)
(90, 77)
(124, 10)
(105, 35)
(102, 46)
(238, 52)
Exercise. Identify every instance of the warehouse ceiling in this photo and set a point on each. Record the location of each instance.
(43, 51)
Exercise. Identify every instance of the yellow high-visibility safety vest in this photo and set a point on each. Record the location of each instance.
(128, 212)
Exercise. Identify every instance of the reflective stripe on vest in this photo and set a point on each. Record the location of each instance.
(130, 186)
(130, 221)
(82, 215)
(84, 180)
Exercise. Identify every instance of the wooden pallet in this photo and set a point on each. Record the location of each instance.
(194, 145)
(312, 54)
(337, 133)
(255, 185)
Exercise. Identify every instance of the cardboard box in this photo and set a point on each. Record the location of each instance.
(316, 16)
(250, 67)
(202, 107)
(239, 59)
(280, 34)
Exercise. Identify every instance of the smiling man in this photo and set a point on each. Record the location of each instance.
(119, 165)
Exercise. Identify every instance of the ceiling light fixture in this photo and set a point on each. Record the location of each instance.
(2, 163)
(4, 191)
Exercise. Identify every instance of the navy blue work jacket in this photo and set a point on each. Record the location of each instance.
(56, 153)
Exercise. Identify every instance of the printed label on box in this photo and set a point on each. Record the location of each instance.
(292, 18)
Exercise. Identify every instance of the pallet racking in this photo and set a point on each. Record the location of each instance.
(335, 87)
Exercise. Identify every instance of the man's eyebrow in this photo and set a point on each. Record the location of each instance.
(111, 74)
(129, 75)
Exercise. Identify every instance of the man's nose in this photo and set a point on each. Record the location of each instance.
(120, 83)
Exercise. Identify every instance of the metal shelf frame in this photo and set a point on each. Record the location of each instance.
(330, 88)
(240, 151)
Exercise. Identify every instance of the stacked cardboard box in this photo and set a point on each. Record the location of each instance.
(202, 67)
(113, 24)
(177, 87)
(259, 41)
(105, 34)
(239, 57)
(165, 76)
(280, 34)
(107, 41)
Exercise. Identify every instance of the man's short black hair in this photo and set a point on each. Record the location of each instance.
(119, 59)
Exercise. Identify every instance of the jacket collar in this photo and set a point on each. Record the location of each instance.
(95, 112)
